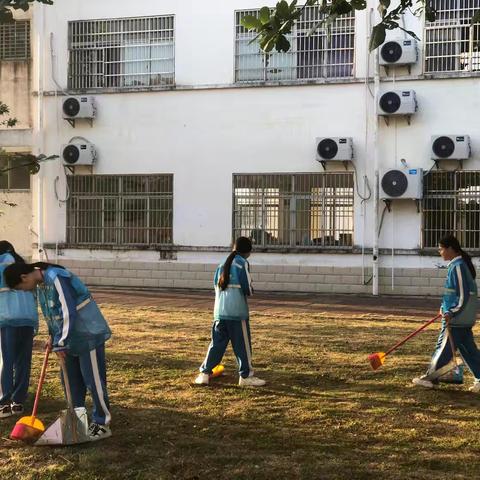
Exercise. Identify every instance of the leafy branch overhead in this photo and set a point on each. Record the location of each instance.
(6, 6)
(274, 25)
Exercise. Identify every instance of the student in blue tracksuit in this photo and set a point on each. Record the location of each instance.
(18, 325)
(231, 317)
(459, 311)
(78, 332)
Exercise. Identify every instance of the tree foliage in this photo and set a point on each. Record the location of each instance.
(273, 26)
(7, 7)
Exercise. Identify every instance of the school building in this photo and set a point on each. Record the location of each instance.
(176, 135)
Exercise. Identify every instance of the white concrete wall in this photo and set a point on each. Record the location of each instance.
(15, 219)
(207, 128)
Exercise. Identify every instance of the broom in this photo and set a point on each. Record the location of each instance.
(29, 429)
(378, 359)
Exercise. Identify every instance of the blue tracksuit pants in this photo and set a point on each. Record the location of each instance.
(15, 362)
(223, 332)
(463, 342)
(88, 372)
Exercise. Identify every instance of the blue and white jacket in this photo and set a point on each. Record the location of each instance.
(74, 320)
(460, 295)
(231, 303)
(17, 308)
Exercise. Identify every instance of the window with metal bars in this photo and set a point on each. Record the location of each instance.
(310, 56)
(300, 210)
(15, 40)
(123, 52)
(451, 204)
(120, 210)
(451, 42)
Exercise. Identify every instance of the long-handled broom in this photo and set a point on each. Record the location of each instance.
(378, 359)
(29, 429)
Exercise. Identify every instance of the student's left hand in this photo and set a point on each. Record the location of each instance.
(61, 354)
(447, 316)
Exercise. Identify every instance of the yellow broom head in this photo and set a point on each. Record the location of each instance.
(376, 360)
(217, 371)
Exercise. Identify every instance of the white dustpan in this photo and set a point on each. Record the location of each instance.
(68, 429)
(71, 427)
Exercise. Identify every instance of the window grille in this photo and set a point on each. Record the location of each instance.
(14, 172)
(310, 56)
(451, 43)
(15, 40)
(114, 53)
(451, 204)
(302, 210)
(120, 210)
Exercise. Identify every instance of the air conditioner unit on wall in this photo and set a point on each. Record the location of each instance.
(451, 147)
(399, 52)
(79, 107)
(334, 149)
(397, 102)
(401, 184)
(79, 153)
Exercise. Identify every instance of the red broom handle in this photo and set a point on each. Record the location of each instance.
(40, 382)
(425, 325)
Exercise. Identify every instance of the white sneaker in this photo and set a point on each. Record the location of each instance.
(251, 382)
(98, 432)
(423, 382)
(5, 411)
(475, 388)
(202, 379)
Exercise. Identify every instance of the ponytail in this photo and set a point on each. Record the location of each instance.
(13, 273)
(450, 241)
(243, 245)
(7, 247)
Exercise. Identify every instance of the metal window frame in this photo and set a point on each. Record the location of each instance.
(451, 217)
(454, 53)
(299, 73)
(120, 232)
(8, 175)
(299, 237)
(99, 59)
(15, 41)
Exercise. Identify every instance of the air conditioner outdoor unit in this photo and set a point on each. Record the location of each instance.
(79, 153)
(399, 52)
(397, 102)
(334, 149)
(79, 107)
(451, 147)
(401, 184)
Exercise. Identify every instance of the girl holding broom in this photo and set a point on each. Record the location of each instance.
(459, 310)
(231, 317)
(78, 332)
(18, 325)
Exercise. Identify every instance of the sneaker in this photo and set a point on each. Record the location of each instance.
(423, 382)
(17, 408)
(98, 432)
(5, 411)
(202, 379)
(475, 388)
(251, 382)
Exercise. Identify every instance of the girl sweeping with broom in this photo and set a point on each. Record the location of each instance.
(78, 332)
(231, 318)
(18, 325)
(459, 310)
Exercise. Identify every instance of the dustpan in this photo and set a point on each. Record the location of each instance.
(71, 427)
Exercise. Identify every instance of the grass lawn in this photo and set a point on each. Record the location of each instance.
(323, 414)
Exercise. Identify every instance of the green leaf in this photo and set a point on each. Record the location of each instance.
(385, 3)
(264, 15)
(430, 13)
(282, 9)
(6, 16)
(377, 37)
(409, 32)
(340, 7)
(476, 17)
(359, 4)
(268, 42)
(250, 22)
(282, 44)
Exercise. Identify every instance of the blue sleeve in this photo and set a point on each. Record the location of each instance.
(245, 280)
(69, 312)
(459, 282)
(216, 277)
